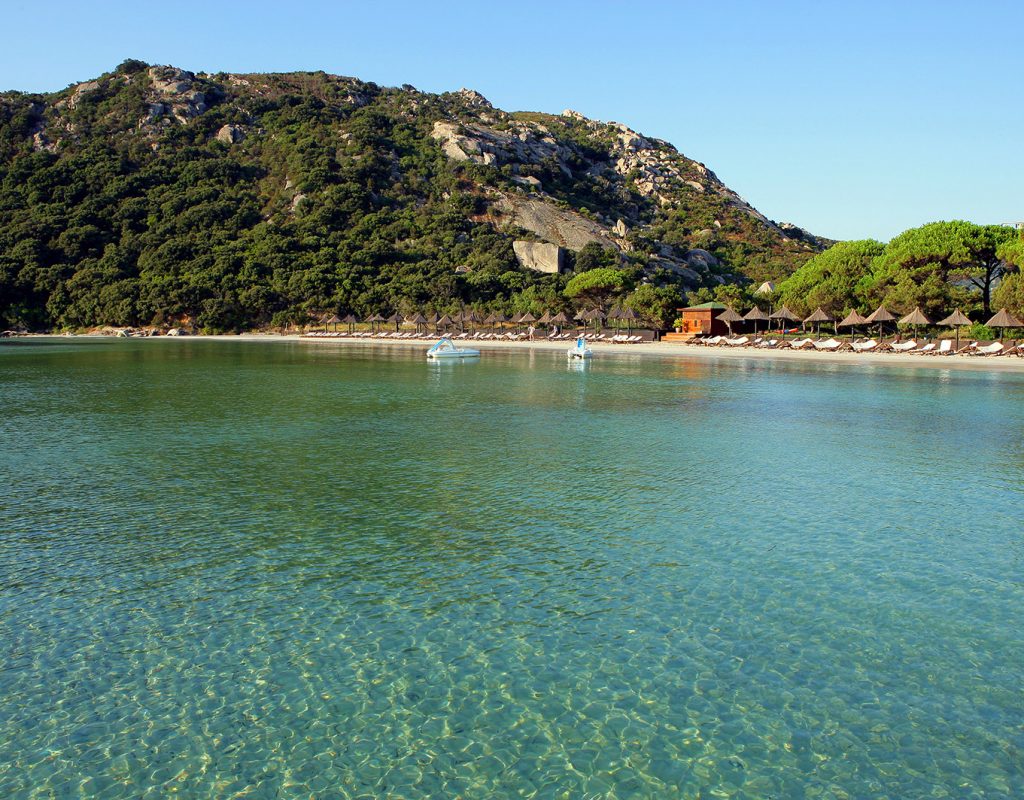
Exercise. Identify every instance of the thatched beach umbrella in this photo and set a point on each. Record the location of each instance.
(444, 322)
(395, 319)
(880, 315)
(418, 320)
(916, 317)
(956, 320)
(598, 316)
(373, 319)
(817, 318)
(784, 314)
(545, 318)
(630, 316)
(331, 320)
(527, 318)
(1004, 319)
(350, 320)
(560, 319)
(729, 317)
(755, 315)
(851, 320)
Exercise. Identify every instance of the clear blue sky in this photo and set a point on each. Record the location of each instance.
(851, 119)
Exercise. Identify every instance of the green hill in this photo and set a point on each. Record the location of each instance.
(152, 194)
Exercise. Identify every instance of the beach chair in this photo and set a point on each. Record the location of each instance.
(903, 347)
(924, 350)
(945, 348)
(802, 344)
(865, 347)
(828, 345)
(737, 342)
(993, 349)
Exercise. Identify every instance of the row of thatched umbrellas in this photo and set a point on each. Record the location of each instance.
(881, 315)
(526, 318)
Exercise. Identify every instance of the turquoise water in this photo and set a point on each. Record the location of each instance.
(274, 570)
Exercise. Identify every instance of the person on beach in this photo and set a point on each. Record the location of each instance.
(530, 331)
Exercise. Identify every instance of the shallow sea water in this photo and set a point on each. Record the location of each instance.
(276, 570)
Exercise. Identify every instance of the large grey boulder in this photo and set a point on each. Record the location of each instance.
(684, 272)
(554, 224)
(700, 259)
(539, 256)
(230, 134)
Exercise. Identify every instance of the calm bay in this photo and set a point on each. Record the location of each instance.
(289, 570)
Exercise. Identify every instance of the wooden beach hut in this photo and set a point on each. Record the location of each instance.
(702, 320)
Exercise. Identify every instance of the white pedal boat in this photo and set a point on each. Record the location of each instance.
(445, 348)
(580, 349)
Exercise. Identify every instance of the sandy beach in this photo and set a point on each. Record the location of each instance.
(675, 350)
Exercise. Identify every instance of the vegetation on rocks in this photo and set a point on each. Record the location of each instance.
(152, 195)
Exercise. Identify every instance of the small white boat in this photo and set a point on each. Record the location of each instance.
(580, 349)
(445, 348)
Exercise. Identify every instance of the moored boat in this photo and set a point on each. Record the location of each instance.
(445, 348)
(580, 349)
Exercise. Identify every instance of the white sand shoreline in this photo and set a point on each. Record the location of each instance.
(656, 349)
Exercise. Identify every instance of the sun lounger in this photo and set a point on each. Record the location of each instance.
(904, 347)
(993, 349)
(865, 347)
(830, 345)
(800, 344)
(945, 348)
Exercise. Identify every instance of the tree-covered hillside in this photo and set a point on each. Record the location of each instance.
(152, 195)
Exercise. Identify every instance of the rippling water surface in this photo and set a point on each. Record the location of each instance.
(272, 570)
